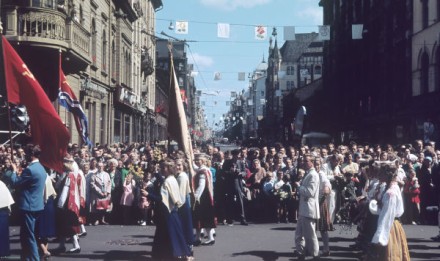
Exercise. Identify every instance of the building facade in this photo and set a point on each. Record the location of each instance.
(104, 55)
(368, 81)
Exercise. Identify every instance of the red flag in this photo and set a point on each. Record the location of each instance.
(47, 129)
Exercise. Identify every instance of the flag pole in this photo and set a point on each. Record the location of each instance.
(170, 54)
(3, 91)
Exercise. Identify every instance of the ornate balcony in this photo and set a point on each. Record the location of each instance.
(49, 28)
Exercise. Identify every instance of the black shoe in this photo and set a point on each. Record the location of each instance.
(60, 250)
(83, 234)
(436, 238)
(197, 243)
(244, 223)
(74, 250)
(296, 253)
(208, 243)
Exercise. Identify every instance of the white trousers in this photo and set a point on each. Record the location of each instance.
(305, 236)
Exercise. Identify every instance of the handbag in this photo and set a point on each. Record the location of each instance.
(102, 204)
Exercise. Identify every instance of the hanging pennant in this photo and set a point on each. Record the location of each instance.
(289, 33)
(194, 74)
(217, 76)
(222, 30)
(356, 31)
(181, 27)
(260, 32)
(324, 32)
(241, 76)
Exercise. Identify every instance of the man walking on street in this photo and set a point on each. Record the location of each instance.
(308, 212)
(31, 185)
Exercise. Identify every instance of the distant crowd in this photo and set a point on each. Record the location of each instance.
(246, 184)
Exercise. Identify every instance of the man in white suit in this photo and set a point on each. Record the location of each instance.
(308, 213)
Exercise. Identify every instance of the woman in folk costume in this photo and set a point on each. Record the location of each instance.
(100, 194)
(83, 209)
(390, 239)
(71, 199)
(46, 222)
(6, 201)
(204, 215)
(169, 241)
(185, 191)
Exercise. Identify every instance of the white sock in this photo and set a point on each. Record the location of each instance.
(83, 229)
(211, 234)
(75, 241)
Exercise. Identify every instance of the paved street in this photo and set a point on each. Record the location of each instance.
(241, 243)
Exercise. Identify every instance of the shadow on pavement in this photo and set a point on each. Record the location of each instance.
(264, 255)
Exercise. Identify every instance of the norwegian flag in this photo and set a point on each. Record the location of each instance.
(67, 99)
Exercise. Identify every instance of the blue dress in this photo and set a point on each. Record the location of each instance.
(4, 232)
(46, 221)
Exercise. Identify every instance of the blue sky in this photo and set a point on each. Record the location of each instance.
(241, 52)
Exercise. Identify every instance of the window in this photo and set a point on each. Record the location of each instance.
(424, 74)
(290, 70)
(290, 85)
(437, 70)
(104, 51)
(262, 93)
(127, 123)
(318, 69)
(425, 14)
(113, 61)
(117, 131)
(102, 122)
(93, 30)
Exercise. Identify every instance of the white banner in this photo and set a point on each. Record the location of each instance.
(241, 76)
(356, 31)
(260, 32)
(181, 27)
(324, 32)
(217, 76)
(289, 33)
(223, 30)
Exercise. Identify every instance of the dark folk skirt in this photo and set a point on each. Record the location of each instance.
(324, 223)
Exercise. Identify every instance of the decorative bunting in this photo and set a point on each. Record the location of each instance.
(217, 76)
(324, 32)
(260, 32)
(356, 31)
(241, 76)
(181, 27)
(194, 74)
(222, 30)
(289, 33)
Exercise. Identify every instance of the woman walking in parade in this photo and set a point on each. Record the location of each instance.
(70, 200)
(324, 223)
(169, 242)
(389, 241)
(185, 213)
(204, 202)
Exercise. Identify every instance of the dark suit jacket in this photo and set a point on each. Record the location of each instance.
(31, 185)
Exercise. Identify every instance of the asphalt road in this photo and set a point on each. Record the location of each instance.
(239, 243)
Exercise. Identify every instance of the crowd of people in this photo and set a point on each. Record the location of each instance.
(142, 184)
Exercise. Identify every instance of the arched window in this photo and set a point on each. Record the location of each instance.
(81, 15)
(94, 32)
(424, 74)
(104, 51)
(425, 14)
(437, 69)
(113, 61)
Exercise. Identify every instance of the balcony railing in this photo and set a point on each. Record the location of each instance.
(35, 24)
(78, 38)
(46, 26)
